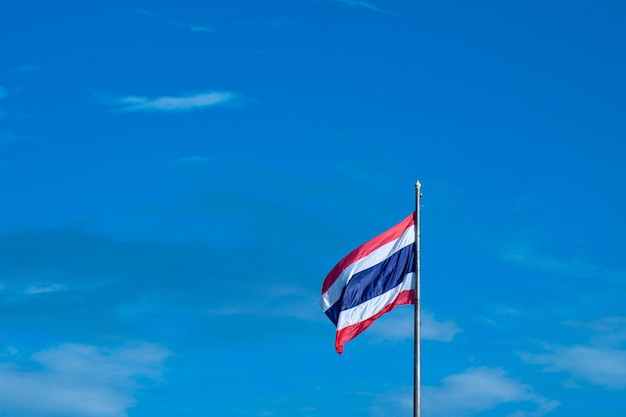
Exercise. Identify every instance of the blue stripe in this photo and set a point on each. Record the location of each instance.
(333, 312)
(374, 281)
(378, 279)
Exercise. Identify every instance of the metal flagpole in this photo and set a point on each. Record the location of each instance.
(417, 315)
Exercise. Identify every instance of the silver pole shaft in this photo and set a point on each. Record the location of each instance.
(417, 316)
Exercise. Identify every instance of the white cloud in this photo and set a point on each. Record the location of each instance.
(468, 393)
(604, 324)
(480, 389)
(601, 361)
(172, 103)
(398, 325)
(275, 301)
(79, 380)
(43, 288)
(193, 27)
(524, 254)
(442, 331)
(609, 331)
(146, 13)
(362, 4)
(605, 367)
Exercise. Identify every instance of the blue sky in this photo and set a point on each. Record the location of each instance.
(177, 178)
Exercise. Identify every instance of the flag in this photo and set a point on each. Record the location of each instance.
(370, 281)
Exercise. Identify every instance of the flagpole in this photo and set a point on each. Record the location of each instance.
(417, 315)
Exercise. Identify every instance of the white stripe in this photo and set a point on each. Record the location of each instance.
(374, 306)
(333, 293)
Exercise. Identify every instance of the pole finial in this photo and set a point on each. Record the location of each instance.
(417, 184)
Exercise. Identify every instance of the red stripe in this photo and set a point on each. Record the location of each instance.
(367, 248)
(348, 333)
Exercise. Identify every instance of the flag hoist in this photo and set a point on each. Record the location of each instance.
(374, 278)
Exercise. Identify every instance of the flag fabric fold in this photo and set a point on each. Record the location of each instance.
(370, 281)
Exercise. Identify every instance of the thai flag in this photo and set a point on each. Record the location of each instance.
(370, 281)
